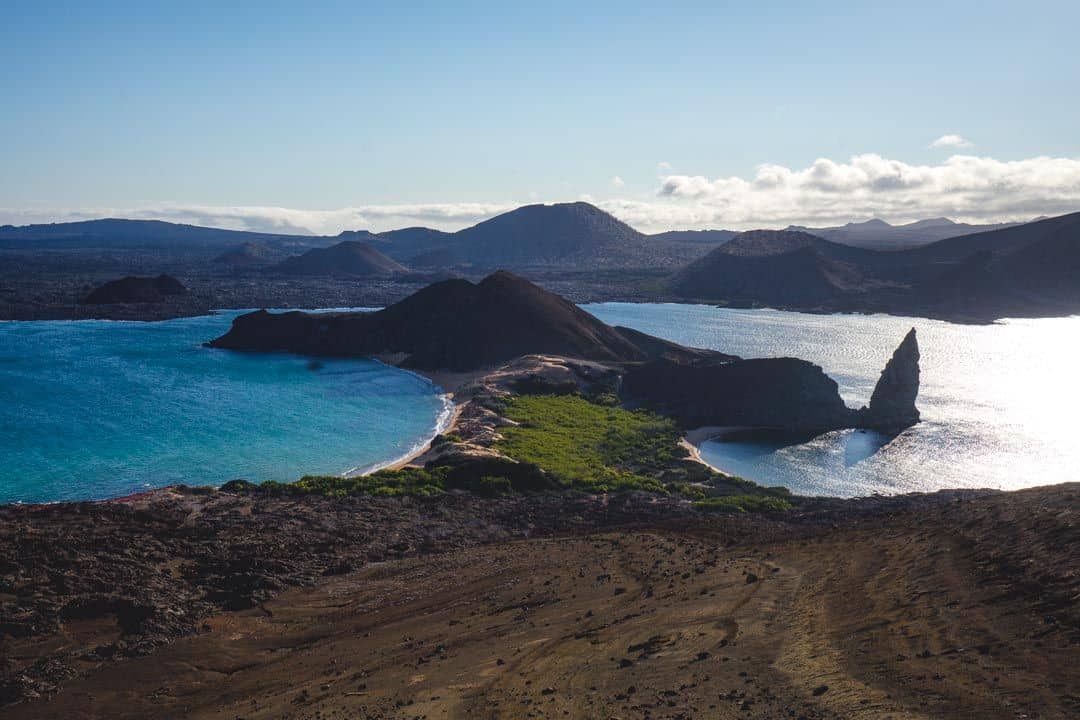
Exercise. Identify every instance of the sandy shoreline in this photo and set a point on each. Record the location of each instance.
(420, 451)
(694, 438)
(451, 384)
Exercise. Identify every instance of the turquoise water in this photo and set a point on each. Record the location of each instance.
(998, 402)
(95, 409)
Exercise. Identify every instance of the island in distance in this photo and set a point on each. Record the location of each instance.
(933, 269)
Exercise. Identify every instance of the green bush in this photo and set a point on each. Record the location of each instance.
(744, 503)
(406, 481)
(492, 486)
(535, 385)
(685, 489)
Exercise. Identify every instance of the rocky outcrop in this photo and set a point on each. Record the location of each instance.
(783, 393)
(892, 406)
(136, 290)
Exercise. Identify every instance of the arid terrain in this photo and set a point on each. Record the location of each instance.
(958, 605)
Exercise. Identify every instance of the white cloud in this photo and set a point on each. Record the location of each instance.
(617, 182)
(951, 141)
(965, 188)
(663, 166)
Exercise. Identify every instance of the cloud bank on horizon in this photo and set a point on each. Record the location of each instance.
(965, 188)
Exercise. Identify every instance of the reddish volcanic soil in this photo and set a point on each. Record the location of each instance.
(958, 606)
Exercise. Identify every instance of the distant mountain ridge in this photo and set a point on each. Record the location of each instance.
(568, 235)
(121, 233)
(1018, 270)
(561, 235)
(1022, 270)
(879, 235)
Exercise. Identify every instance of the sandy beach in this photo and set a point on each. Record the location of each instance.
(693, 439)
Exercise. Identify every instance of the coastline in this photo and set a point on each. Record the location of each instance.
(451, 384)
(693, 439)
(446, 426)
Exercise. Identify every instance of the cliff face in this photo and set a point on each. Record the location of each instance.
(892, 406)
(783, 393)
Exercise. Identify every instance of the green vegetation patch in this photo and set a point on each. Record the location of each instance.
(561, 441)
(390, 483)
(488, 479)
(744, 503)
(592, 447)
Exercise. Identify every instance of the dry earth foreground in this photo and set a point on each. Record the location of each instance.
(954, 605)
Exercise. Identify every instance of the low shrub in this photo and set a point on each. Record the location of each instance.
(743, 503)
(597, 448)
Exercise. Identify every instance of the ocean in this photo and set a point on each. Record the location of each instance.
(97, 409)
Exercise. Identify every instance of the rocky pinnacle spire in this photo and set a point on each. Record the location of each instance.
(892, 406)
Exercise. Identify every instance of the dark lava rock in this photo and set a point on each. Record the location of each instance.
(136, 290)
(780, 394)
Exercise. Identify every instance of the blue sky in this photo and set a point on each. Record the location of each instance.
(320, 115)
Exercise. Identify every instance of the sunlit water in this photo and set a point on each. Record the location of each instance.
(94, 409)
(999, 403)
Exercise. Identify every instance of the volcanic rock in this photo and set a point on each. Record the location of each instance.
(136, 290)
(892, 406)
